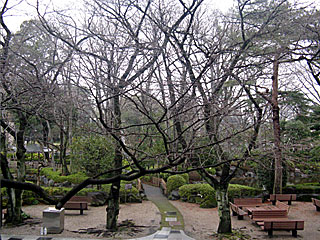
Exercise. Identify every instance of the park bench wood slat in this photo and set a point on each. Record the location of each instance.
(247, 201)
(77, 203)
(283, 197)
(261, 215)
(316, 202)
(236, 211)
(289, 225)
(282, 206)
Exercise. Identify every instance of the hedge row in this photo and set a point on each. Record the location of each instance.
(56, 176)
(204, 194)
(306, 188)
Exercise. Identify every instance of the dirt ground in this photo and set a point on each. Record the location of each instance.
(199, 223)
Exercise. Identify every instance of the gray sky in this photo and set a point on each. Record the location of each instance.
(23, 10)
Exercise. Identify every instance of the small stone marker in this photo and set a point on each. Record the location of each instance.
(171, 219)
(160, 236)
(171, 213)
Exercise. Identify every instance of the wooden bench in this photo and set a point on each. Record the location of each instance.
(77, 203)
(288, 225)
(259, 216)
(283, 197)
(316, 202)
(237, 211)
(282, 206)
(242, 202)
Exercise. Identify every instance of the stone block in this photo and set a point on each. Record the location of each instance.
(53, 220)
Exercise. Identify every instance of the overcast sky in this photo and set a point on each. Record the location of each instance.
(23, 10)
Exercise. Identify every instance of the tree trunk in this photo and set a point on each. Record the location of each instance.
(63, 150)
(14, 215)
(277, 187)
(45, 136)
(223, 208)
(114, 198)
(113, 207)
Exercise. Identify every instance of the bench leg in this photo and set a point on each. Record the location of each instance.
(270, 232)
(318, 208)
(289, 202)
(295, 233)
(273, 202)
(240, 217)
(81, 211)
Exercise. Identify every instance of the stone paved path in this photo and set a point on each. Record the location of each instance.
(171, 219)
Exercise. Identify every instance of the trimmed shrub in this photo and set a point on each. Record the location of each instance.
(196, 193)
(241, 191)
(306, 188)
(56, 176)
(60, 191)
(209, 202)
(186, 177)
(174, 182)
(204, 194)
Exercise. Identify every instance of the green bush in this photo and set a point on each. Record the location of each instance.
(31, 171)
(196, 193)
(306, 188)
(241, 191)
(29, 198)
(209, 202)
(186, 177)
(146, 178)
(212, 171)
(60, 191)
(174, 182)
(204, 194)
(165, 176)
(75, 178)
(131, 195)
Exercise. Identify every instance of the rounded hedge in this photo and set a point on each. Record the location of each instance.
(174, 182)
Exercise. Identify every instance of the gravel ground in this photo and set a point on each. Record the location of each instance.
(199, 223)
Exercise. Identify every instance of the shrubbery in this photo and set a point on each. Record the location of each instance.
(75, 178)
(242, 191)
(306, 188)
(204, 194)
(174, 182)
(131, 195)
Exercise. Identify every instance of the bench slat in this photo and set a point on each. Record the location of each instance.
(77, 203)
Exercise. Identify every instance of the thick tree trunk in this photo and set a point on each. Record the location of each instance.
(113, 207)
(223, 208)
(14, 215)
(277, 187)
(114, 198)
